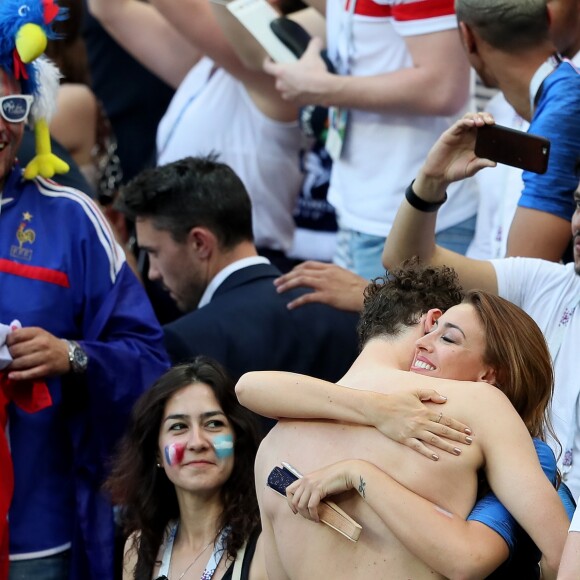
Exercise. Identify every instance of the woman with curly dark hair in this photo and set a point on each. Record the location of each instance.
(184, 476)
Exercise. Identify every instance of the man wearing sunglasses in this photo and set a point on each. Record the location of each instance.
(89, 333)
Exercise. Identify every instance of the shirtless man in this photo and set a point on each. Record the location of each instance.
(297, 548)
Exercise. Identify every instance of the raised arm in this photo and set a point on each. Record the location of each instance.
(143, 32)
(452, 158)
(400, 416)
(217, 34)
(438, 61)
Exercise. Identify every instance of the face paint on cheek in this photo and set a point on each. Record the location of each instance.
(174, 453)
(223, 445)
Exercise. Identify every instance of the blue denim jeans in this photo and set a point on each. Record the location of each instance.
(361, 253)
(49, 568)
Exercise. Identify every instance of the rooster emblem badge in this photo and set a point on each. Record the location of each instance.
(24, 235)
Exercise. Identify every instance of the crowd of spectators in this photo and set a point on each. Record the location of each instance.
(311, 230)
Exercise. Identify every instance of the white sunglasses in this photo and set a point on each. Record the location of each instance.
(15, 108)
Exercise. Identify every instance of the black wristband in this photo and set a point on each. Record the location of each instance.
(421, 204)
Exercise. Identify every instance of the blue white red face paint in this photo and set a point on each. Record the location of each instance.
(223, 446)
(174, 453)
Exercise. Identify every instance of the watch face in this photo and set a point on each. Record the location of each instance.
(80, 360)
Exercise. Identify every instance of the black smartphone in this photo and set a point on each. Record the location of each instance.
(295, 38)
(511, 147)
(281, 477)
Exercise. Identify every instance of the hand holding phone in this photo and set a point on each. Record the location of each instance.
(330, 514)
(511, 147)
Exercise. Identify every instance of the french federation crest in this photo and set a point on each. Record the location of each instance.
(24, 235)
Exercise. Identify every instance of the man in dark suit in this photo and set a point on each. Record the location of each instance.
(193, 218)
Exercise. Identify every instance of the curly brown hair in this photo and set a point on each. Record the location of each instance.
(147, 497)
(403, 295)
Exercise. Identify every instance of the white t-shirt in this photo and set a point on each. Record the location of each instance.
(383, 152)
(212, 112)
(500, 189)
(549, 293)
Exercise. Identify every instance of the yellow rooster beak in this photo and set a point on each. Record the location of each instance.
(30, 42)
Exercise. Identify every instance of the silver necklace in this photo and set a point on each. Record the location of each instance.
(195, 560)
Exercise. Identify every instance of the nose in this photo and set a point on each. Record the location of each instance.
(153, 272)
(197, 440)
(425, 342)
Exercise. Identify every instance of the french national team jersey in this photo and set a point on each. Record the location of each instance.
(62, 270)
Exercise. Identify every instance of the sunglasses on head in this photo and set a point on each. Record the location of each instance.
(15, 108)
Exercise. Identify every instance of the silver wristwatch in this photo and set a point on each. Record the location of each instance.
(77, 357)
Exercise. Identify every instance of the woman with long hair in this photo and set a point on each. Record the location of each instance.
(184, 478)
(485, 340)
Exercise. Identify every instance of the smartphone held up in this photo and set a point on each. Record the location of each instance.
(511, 147)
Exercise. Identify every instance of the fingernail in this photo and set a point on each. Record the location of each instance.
(443, 397)
(435, 457)
(468, 440)
(456, 450)
(467, 430)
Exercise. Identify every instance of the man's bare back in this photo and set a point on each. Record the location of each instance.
(298, 548)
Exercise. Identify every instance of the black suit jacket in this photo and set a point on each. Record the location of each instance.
(247, 327)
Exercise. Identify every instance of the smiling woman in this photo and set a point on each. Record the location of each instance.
(184, 479)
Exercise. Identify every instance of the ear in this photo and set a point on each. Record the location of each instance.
(202, 242)
(467, 38)
(430, 319)
(488, 376)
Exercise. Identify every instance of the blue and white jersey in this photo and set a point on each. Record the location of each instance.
(62, 270)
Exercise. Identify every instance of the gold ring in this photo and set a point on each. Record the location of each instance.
(439, 419)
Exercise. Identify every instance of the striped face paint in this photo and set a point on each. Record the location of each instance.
(223, 445)
(174, 453)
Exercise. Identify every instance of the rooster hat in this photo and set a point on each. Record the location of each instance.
(25, 27)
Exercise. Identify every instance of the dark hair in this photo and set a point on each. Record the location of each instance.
(400, 298)
(147, 497)
(516, 349)
(191, 192)
(68, 50)
(506, 24)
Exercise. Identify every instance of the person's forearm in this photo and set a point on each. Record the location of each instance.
(403, 92)
(437, 82)
(512, 460)
(403, 242)
(444, 541)
(289, 395)
(452, 158)
(538, 234)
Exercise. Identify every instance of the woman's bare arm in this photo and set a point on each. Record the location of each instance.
(400, 416)
(446, 542)
(516, 477)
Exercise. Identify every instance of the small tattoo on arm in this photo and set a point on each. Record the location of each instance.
(361, 487)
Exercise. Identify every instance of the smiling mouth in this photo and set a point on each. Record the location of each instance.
(419, 364)
(196, 463)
